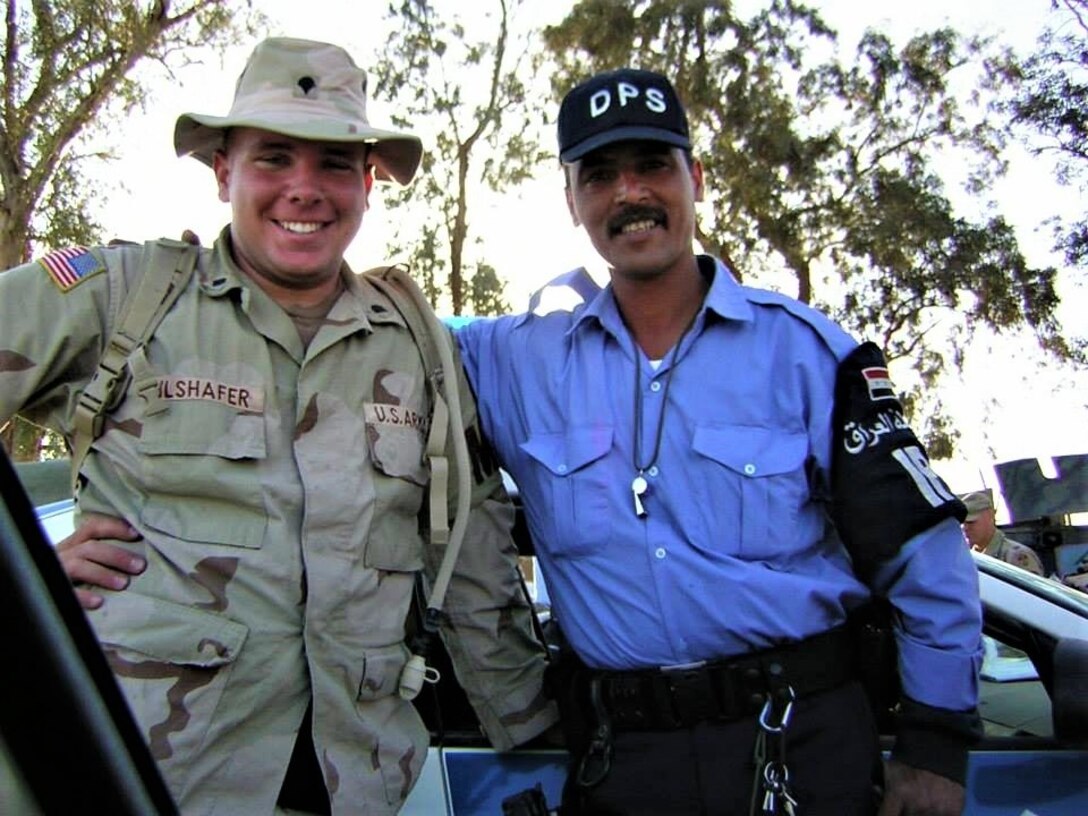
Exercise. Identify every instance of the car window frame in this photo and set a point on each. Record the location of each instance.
(67, 731)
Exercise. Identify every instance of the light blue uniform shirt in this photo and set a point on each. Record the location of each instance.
(735, 552)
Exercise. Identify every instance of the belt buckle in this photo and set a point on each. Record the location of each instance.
(691, 693)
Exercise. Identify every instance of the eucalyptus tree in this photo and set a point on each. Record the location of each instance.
(464, 88)
(67, 81)
(1051, 106)
(826, 178)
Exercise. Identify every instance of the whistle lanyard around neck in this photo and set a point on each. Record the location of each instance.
(639, 485)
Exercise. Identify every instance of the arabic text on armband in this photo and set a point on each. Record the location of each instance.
(858, 437)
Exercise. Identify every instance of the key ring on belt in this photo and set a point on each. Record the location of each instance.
(772, 775)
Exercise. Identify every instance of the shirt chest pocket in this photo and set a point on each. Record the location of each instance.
(201, 469)
(396, 449)
(762, 475)
(574, 475)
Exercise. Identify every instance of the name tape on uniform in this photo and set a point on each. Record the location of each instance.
(242, 397)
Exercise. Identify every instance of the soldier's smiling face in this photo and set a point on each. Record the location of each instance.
(296, 205)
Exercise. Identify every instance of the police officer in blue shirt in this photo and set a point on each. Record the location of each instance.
(717, 478)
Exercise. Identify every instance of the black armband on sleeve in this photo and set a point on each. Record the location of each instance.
(936, 739)
(883, 489)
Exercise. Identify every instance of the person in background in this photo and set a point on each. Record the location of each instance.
(982, 534)
(250, 535)
(716, 479)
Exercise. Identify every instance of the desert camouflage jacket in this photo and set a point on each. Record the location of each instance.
(277, 488)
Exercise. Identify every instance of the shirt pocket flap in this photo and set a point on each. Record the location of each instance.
(204, 429)
(570, 450)
(168, 632)
(381, 671)
(752, 451)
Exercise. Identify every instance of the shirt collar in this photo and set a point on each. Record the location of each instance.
(363, 304)
(725, 298)
(222, 276)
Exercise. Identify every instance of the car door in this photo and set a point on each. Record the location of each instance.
(1033, 697)
(69, 743)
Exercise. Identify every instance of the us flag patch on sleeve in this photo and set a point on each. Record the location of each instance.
(68, 267)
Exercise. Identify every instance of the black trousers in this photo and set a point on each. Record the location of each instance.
(832, 755)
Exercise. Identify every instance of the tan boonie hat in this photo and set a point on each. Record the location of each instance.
(977, 502)
(308, 90)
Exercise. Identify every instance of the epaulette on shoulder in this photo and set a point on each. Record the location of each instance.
(838, 341)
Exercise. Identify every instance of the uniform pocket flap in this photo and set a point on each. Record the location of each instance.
(204, 429)
(168, 632)
(381, 670)
(752, 451)
(570, 450)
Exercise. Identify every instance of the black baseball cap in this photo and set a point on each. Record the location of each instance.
(620, 105)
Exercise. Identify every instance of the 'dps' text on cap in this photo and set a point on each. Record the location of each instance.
(601, 101)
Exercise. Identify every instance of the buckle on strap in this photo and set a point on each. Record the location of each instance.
(106, 386)
(676, 697)
(680, 696)
(691, 694)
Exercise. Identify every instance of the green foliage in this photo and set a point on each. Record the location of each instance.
(831, 173)
(25, 441)
(1051, 105)
(68, 74)
(468, 99)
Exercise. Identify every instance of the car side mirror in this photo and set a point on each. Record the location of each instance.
(1069, 700)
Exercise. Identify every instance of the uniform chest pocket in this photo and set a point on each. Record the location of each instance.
(202, 473)
(396, 447)
(575, 477)
(761, 482)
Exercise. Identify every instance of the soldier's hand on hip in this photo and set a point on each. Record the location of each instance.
(92, 562)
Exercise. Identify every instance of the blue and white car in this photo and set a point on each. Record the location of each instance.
(1032, 761)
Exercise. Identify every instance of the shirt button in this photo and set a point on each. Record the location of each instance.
(655, 386)
(652, 471)
(749, 469)
(562, 468)
(659, 552)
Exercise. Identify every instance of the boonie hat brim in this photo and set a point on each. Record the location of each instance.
(307, 90)
(395, 156)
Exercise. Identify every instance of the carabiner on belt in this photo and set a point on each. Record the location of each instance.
(597, 761)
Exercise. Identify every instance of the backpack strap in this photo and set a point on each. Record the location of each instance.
(435, 347)
(167, 267)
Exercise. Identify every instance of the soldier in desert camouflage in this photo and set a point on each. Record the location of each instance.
(266, 458)
(980, 529)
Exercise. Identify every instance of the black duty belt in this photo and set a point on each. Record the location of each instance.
(678, 697)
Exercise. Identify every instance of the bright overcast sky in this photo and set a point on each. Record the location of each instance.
(1025, 410)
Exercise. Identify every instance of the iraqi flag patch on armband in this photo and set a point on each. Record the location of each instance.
(879, 383)
(70, 267)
